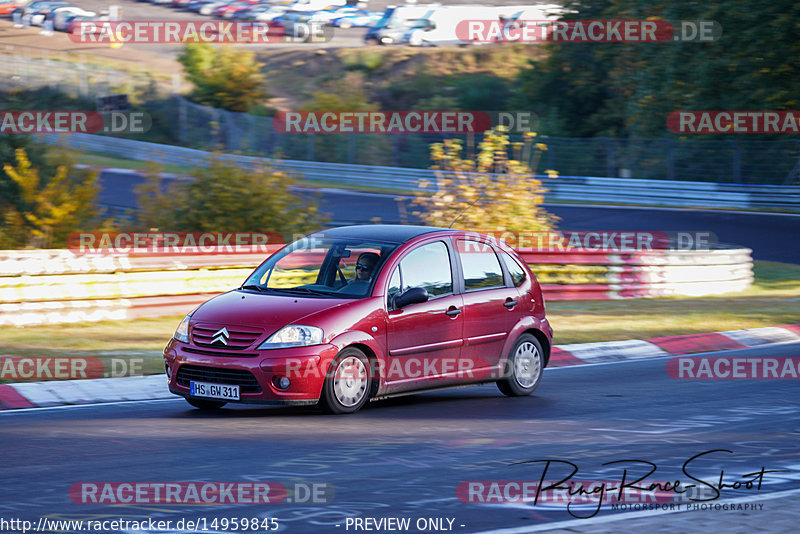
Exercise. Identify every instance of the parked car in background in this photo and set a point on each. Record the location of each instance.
(325, 16)
(35, 12)
(315, 5)
(351, 314)
(63, 11)
(210, 7)
(195, 5)
(7, 7)
(357, 19)
(394, 23)
(227, 11)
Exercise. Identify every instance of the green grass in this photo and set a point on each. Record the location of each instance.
(774, 299)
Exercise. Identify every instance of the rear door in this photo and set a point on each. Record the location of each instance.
(491, 303)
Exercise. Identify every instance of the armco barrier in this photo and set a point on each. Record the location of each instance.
(58, 286)
(563, 188)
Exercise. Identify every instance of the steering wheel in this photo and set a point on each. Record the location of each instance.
(342, 277)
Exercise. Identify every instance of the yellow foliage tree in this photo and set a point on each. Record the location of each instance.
(48, 212)
(494, 192)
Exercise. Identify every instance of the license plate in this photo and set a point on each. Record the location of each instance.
(213, 391)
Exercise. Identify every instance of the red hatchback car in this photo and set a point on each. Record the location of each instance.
(362, 313)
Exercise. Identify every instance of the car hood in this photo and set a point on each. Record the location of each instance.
(270, 312)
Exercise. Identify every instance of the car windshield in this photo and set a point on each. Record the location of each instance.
(320, 266)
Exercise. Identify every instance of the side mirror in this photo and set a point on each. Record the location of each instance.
(414, 295)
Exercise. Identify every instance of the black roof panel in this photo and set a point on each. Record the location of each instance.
(396, 233)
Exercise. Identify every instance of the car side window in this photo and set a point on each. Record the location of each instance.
(429, 267)
(517, 272)
(480, 265)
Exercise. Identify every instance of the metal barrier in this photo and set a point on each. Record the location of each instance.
(95, 287)
(734, 160)
(563, 188)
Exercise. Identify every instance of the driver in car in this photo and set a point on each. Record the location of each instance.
(365, 267)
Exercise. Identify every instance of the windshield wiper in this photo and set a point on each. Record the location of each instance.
(303, 290)
(254, 286)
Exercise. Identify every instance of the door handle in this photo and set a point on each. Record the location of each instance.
(510, 303)
(452, 312)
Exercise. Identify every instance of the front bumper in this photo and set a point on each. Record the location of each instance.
(257, 375)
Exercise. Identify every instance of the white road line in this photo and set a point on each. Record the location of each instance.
(634, 515)
(65, 406)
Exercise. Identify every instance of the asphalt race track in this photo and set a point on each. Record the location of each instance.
(771, 236)
(405, 457)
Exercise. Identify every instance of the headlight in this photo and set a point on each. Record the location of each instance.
(182, 332)
(293, 336)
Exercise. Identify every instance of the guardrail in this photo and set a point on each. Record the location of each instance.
(58, 286)
(563, 188)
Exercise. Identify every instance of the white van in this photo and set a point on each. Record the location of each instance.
(439, 26)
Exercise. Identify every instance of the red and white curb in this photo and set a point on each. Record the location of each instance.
(154, 387)
(88, 391)
(636, 349)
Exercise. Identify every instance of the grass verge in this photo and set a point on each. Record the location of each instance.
(774, 299)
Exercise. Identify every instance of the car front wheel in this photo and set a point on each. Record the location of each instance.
(346, 388)
(523, 370)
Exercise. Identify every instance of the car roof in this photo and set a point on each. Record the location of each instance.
(396, 233)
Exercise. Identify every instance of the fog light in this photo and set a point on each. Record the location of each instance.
(169, 371)
(281, 383)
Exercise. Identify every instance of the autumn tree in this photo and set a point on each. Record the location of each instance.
(346, 94)
(47, 211)
(224, 197)
(226, 77)
(493, 191)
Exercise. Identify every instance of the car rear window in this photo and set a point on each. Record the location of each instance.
(480, 265)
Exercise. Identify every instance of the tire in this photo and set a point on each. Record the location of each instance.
(204, 404)
(524, 366)
(347, 385)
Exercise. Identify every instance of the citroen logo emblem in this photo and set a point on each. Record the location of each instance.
(221, 336)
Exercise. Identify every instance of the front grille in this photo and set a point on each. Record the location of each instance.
(239, 337)
(216, 375)
(221, 353)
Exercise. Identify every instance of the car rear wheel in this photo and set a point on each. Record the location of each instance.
(346, 388)
(204, 404)
(524, 367)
